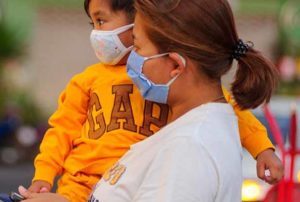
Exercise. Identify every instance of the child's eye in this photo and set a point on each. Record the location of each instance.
(96, 24)
(99, 22)
(92, 24)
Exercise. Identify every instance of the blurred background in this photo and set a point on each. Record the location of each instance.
(43, 43)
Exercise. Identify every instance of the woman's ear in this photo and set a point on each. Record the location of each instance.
(180, 63)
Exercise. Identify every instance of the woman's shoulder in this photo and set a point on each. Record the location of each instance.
(208, 130)
(203, 120)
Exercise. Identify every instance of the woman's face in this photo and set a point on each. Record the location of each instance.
(158, 69)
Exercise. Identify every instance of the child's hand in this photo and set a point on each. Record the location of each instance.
(24, 192)
(40, 186)
(267, 160)
(40, 197)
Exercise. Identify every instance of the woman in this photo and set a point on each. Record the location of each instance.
(182, 50)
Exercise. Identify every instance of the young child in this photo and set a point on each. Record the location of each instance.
(101, 113)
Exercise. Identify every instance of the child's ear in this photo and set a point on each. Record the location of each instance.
(180, 63)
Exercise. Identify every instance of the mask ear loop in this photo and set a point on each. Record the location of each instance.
(183, 60)
(156, 56)
(128, 49)
(175, 77)
(123, 29)
(172, 80)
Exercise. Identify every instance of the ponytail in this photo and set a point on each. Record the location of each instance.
(255, 80)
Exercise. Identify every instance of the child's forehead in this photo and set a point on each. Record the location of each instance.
(103, 8)
(100, 7)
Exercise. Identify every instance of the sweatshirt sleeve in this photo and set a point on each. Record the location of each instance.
(65, 126)
(253, 134)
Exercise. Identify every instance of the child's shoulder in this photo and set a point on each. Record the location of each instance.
(88, 73)
(97, 71)
(98, 67)
(93, 67)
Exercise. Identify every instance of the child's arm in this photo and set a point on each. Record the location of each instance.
(66, 124)
(253, 134)
(255, 139)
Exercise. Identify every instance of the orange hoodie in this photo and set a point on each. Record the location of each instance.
(101, 113)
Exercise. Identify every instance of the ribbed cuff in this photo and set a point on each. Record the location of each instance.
(261, 144)
(45, 173)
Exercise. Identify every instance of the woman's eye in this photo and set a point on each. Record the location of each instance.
(135, 48)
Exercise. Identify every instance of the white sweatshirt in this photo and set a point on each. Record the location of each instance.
(196, 158)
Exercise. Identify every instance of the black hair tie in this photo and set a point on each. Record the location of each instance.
(241, 49)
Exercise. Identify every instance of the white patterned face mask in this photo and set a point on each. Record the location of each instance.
(107, 45)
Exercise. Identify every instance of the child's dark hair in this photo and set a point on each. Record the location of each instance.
(116, 5)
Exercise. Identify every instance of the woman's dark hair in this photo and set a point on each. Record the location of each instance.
(205, 32)
(116, 5)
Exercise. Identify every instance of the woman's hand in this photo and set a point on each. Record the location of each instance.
(40, 197)
(267, 160)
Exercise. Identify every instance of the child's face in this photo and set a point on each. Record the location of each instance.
(103, 18)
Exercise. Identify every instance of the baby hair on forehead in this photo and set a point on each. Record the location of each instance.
(116, 5)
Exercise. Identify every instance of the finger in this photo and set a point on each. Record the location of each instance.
(275, 180)
(34, 189)
(270, 175)
(44, 190)
(279, 172)
(270, 180)
(28, 200)
(260, 171)
(273, 177)
(276, 173)
(24, 192)
(33, 197)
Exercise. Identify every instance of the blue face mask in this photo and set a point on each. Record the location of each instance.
(149, 90)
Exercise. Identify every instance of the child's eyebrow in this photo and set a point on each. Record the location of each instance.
(98, 13)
